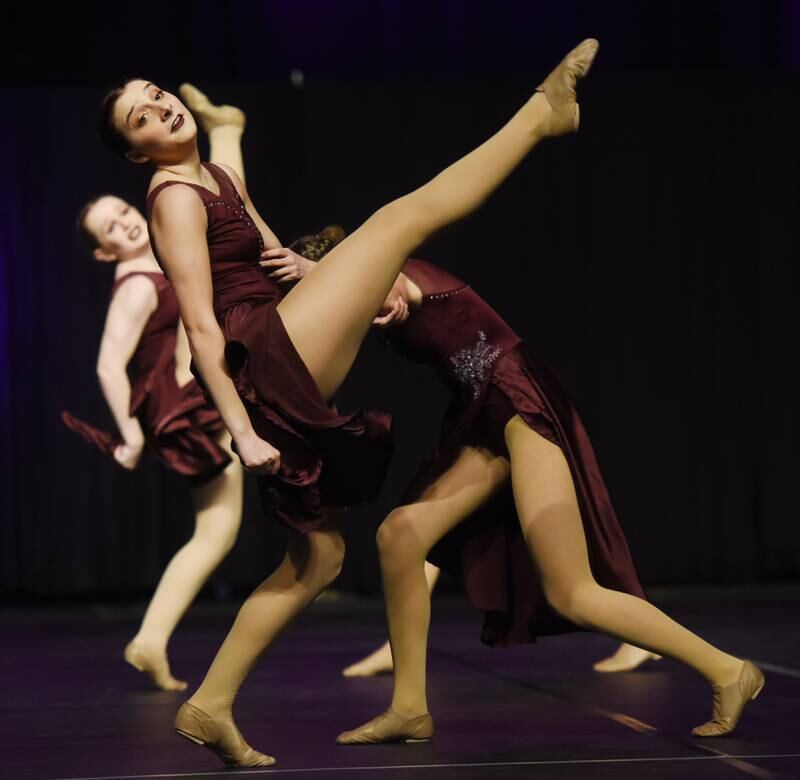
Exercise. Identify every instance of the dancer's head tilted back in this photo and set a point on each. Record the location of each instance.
(112, 229)
(145, 123)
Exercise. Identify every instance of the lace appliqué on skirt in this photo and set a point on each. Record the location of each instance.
(471, 364)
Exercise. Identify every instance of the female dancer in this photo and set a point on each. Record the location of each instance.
(165, 408)
(285, 365)
(510, 421)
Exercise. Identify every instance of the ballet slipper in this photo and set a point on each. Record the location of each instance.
(379, 662)
(389, 727)
(626, 659)
(730, 701)
(154, 665)
(210, 115)
(559, 88)
(221, 737)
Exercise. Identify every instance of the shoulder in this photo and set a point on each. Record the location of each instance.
(136, 293)
(178, 200)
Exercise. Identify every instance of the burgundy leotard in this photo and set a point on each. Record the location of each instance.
(180, 426)
(326, 458)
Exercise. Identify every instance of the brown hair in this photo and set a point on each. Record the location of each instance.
(88, 238)
(110, 135)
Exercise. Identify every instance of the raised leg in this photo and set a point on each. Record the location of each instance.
(404, 539)
(329, 312)
(218, 512)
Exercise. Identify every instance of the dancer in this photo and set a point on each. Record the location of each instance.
(281, 364)
(511, 422)
(165, 408)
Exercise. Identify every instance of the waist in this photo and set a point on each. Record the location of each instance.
(246, 282)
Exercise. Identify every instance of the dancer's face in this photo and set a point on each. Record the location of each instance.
(158, 126)
(119, 228)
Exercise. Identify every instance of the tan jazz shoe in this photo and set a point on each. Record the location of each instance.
(730, 700)
(155, 666)
(220, 737)
(210, 116)
(559, 87)
(389, 727)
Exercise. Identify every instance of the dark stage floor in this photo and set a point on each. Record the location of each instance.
(72, 709)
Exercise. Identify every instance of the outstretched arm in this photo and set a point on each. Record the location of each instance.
(179, 231)
(127, 316)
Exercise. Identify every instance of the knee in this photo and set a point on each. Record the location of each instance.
(328, 558)
(398, 539)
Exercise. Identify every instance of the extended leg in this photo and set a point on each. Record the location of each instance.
(329, 312)
(551, 522)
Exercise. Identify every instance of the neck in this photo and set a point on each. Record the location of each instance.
(189, 167)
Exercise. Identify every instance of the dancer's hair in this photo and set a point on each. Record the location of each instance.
(111, 136)
(89, 239)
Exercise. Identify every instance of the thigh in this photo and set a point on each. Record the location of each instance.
(547, 506)
(473, 478)
(329, 312)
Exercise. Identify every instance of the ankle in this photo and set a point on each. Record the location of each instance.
(409, 709)
(216, 708)
(151, 645)
(728, 671)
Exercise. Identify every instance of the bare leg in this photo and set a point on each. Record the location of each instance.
(380, 661)
(311, 563)
(625, 659)
(404, 540)
(218, 512)
(224, 126)
(551, 523)
(368, 261)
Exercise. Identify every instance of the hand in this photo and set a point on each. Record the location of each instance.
(256, 454)
(288, 265)
(393, 312)
(128, 455)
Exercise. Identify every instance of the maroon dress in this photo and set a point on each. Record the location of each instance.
(180, 426)
(327, 459)
(493, 378)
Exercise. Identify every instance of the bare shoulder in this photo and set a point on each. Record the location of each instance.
(136, 293)
(179, 199)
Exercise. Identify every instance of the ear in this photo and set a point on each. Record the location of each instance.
(103, 255)
(137, 157)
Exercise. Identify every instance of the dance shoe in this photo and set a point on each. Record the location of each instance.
(730, 700)
(220, 737)
(559, 88)
(389, 727)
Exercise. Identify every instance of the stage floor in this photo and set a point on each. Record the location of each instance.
(72, 709)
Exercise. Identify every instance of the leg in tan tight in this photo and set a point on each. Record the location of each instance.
(311, 563)
(380, 661)
(218, 512)
(328, 313)
(548, 511)
(551, 523)
(404, 540)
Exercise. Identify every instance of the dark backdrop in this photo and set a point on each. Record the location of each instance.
(651, 260)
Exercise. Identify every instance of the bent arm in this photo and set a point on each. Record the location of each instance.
(127, 316)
